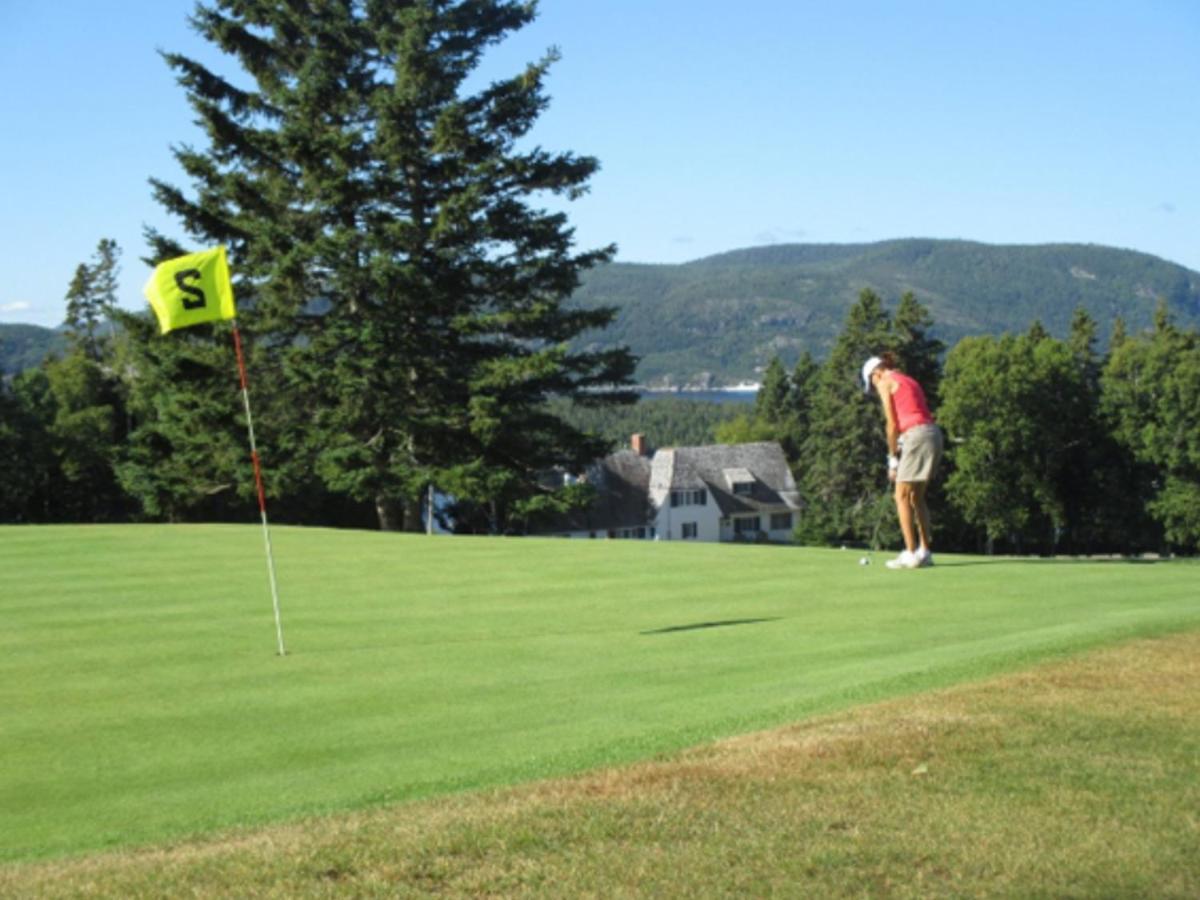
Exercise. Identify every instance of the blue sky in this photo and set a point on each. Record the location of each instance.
(717, 125)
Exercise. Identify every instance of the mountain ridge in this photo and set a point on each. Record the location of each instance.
(719, 319)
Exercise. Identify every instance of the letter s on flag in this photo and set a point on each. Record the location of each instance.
(192, 289)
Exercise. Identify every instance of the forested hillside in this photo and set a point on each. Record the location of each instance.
(721, 319)
(24, 346)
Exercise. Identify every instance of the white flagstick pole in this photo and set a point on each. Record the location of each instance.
(258, 482)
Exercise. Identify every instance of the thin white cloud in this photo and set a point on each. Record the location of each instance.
(17, 306)
(780, 236)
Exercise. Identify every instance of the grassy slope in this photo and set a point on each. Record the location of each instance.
(140, 698)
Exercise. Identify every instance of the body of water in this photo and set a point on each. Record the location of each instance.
(727, 396)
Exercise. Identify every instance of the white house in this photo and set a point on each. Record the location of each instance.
(720, 492)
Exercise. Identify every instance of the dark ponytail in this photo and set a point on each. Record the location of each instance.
(889, 360)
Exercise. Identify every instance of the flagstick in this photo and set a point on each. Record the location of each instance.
(262, 497)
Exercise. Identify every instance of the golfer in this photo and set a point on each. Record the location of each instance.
(914, 450)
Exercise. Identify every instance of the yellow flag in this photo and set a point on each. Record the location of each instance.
(191, 289)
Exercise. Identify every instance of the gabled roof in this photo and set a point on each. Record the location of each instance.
(719, 466)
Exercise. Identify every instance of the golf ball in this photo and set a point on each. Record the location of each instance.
(864, 562)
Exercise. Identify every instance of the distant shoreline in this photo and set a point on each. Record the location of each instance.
(745, 392)
(742, 387)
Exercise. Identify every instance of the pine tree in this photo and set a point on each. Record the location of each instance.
(799, 412)
(82, 316)
(105, 273)
(85, 401)
(91, 298)
(771, 402)
(397, 275)
(846, 448)
(918, 352)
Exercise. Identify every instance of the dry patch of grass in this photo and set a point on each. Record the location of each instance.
(1076, 779)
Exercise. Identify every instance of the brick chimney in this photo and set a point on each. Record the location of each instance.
(638, 444)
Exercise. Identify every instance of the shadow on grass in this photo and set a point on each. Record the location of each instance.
(697, 626)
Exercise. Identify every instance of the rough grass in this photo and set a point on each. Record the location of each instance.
(1079, 778)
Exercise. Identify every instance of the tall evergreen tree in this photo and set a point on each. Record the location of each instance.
(771, 402)
(919, 353)
(91, 299)
(845, 449)
(82, 317)
(84, 399)
(403, 283)
(105, 273)
(799, 409)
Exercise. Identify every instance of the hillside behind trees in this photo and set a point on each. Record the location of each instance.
(721, 320)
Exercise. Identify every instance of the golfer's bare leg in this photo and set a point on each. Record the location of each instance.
(919, 489)
(904, 511)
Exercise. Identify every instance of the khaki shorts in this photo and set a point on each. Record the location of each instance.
(921, 450)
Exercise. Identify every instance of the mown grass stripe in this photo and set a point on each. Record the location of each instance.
(141, 699)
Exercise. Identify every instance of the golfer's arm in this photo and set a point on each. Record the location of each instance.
(893, 430)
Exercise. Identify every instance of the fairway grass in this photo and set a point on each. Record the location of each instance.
(1078, 778)
(142, 700)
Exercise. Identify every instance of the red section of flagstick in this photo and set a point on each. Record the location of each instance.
(258, 481)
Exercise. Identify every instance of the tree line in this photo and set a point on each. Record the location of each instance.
(402, 289)
(1053, 446)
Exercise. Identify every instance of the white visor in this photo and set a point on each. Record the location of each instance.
(868, 367)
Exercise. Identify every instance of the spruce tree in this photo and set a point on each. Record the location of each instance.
(798, 413)
(91, 298)
(396, 274)
(846, 449)
(81, 318)
(86, 426)
(919, 353)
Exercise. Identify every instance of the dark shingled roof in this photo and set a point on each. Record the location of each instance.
(719, 466)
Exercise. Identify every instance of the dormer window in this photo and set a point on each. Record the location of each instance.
(740, 481)
(697, 497)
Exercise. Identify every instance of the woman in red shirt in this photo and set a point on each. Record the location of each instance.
(914, 450)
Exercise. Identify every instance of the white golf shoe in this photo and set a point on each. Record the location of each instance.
(906, 560)
(924, 557)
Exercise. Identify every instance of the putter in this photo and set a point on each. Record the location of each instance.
(882, 506)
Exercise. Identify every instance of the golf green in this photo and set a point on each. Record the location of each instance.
(142, 698)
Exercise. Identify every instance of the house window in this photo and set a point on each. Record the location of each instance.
(781, 521)
(697, 497)
(690, 530)
(743, 488)
(745, 525)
